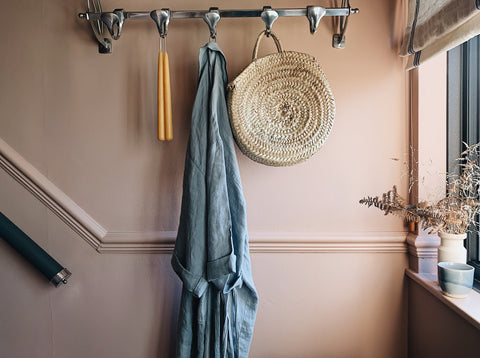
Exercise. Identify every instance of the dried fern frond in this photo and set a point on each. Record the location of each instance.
(391, 203)
(454, 213)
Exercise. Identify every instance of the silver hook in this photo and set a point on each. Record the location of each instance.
(111, 19)
(97, 7)
(338, 40)
(268, 16)
(211, 18)
(161, 18)
(314, 15)
(104, 44)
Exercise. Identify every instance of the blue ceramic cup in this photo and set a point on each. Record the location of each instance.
(455, 279)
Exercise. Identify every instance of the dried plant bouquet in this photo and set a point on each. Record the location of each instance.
(452, 214)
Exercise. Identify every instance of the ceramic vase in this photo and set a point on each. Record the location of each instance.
(451, 248)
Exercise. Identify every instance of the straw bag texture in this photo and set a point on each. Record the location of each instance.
(281, 107)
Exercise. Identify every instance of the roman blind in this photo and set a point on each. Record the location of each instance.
(436, 26)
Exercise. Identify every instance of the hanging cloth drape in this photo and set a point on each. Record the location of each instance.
(436, 26)
(211, 255)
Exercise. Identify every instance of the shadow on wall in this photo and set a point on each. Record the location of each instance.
(168, 295)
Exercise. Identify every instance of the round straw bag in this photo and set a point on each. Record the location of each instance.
(281, 107)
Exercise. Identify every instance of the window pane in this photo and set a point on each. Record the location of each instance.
(463, 90)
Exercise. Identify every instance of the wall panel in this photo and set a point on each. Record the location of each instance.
(86, 123)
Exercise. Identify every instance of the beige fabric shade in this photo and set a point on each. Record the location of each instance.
(436, 26)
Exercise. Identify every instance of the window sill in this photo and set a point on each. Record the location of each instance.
(468, 308)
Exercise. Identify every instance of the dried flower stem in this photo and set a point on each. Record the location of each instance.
(452, 214)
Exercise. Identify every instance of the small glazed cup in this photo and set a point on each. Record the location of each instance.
(455, 279)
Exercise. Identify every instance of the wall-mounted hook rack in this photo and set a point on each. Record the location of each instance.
(116, 18)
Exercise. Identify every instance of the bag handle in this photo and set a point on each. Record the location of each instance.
(260, 37)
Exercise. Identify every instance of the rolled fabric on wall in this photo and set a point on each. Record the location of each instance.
(38, 257)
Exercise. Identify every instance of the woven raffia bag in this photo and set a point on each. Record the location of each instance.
(281, 107)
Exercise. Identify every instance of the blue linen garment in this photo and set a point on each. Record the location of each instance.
(211, 256)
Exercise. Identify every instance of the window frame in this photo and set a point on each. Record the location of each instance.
(463, 120)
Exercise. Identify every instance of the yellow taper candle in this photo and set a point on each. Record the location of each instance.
(160, 99)
(167, 99)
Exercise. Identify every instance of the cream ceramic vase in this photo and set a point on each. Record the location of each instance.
(451, 248)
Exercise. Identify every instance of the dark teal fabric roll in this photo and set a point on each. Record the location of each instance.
(26, 247)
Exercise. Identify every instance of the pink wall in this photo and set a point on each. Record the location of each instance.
(434, 330)
(329, 271)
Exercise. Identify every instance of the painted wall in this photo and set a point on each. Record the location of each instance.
(329, 271)
(435, 330)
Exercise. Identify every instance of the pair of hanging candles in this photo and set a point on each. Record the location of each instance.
(164, 98)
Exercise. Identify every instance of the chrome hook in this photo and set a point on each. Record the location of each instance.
(211, 18)
(97, 7)
(161, 18)
(338, 40)
(104, 44)
(111, 19)
(268, 16)
(314, 15)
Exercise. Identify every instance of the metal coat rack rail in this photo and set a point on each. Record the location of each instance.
(114, 20)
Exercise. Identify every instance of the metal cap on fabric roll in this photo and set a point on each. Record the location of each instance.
(30, 250)
(61, 277)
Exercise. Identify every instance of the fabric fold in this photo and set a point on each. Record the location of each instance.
(220, 267)
(193, 283)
